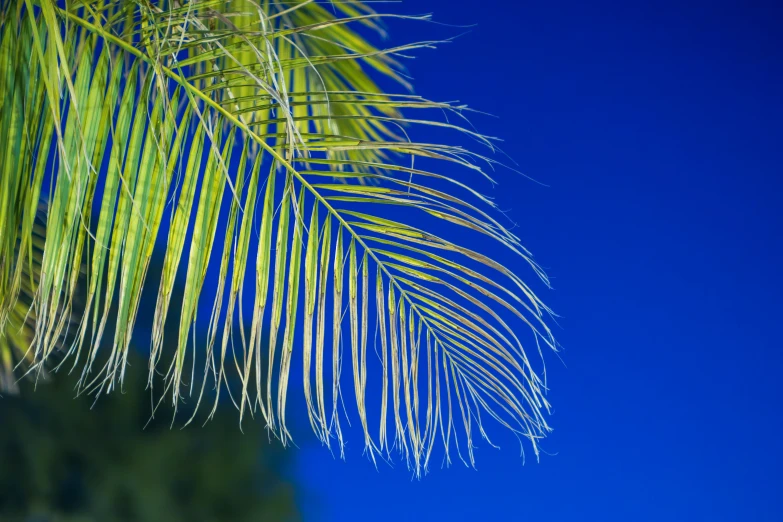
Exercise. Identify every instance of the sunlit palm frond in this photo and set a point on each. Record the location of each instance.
(240, 137)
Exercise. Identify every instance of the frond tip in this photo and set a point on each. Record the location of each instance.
(220, 130)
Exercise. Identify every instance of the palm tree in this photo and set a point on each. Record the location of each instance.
(218, 130)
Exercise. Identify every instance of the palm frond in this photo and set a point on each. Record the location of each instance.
(216, 130)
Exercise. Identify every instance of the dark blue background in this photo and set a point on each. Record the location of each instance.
(657, 127)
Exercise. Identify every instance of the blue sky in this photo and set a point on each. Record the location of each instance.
(657, 128)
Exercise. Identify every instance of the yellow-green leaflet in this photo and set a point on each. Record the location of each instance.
(262, 289)
(320, 336)
(294, 273)
(281, 250)
(311, 290)
(337, 310)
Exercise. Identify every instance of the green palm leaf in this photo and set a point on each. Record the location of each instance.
(216, 130)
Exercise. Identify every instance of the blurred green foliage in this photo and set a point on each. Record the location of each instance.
(61, 461)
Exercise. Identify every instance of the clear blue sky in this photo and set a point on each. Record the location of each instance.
(658, 128)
